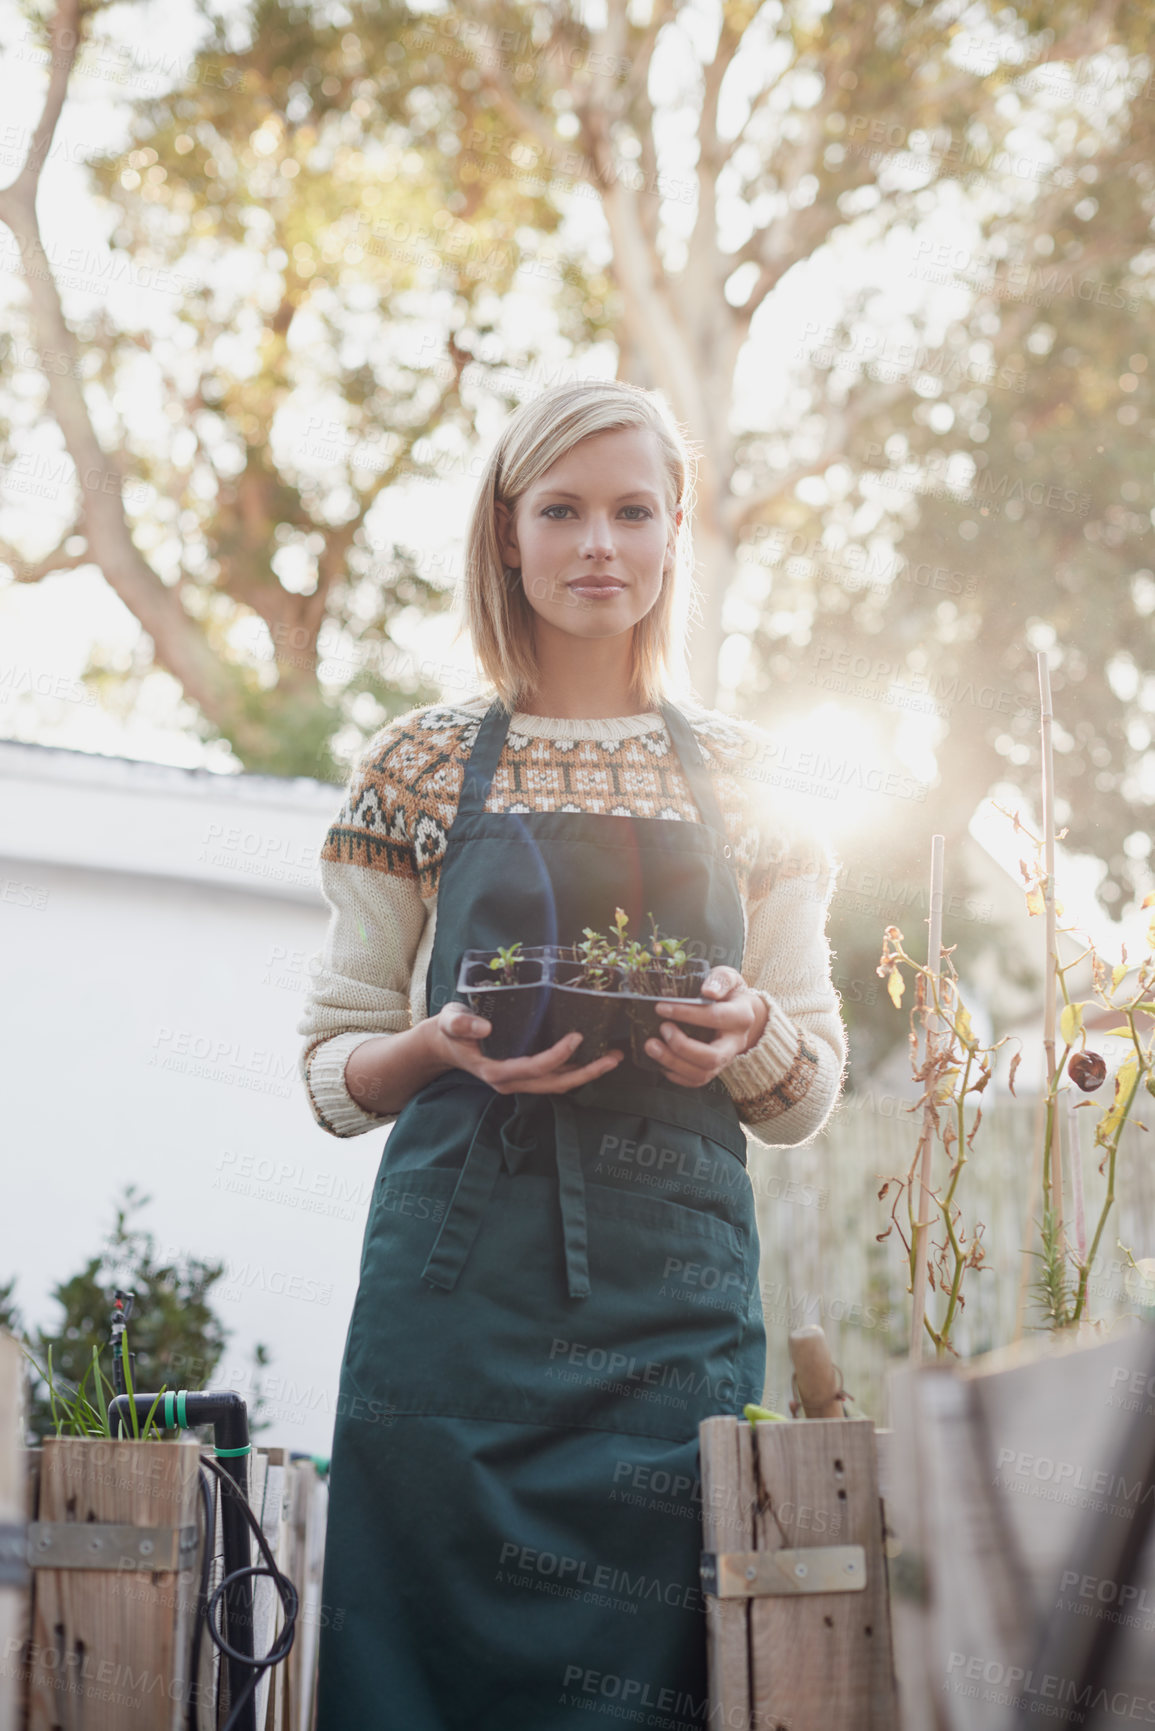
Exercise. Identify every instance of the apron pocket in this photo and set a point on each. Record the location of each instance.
(650, 1158)
(651, 1351)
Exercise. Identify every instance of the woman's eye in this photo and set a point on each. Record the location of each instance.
(551, 508)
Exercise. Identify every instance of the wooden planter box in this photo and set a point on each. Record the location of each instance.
(117, 1641)
(1022, 1497)
(794, 1572)
(107, 1646)
(111, 1626)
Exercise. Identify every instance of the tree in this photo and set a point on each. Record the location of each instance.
(279, 185)
(172, 1327)
(938, 443)
(821, 140)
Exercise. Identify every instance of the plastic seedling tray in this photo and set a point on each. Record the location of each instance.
(595, 1015)
(543, 1004)
(516, 1013)
(644, 1022)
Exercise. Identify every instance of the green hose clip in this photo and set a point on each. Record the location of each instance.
(247, 1449)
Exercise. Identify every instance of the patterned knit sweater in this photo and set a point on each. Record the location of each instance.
(382, 856)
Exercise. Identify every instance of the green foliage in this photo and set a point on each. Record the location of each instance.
(173, 1325)
(355, 194)
(655, 970)
(596, 954)
(78, 1412)
(506, 961)
(281, 184)
(1051, 1288)
(11, 1317)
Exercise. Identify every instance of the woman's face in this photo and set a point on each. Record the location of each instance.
(591, 538)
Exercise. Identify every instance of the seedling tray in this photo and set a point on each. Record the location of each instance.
(644, 1023)
(544, 1005)
(516, 1013)
(596, 1015)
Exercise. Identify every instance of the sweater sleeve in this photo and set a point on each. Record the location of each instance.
(785, 1087)
(376, 918)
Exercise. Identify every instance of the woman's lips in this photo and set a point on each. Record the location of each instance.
(596, 588)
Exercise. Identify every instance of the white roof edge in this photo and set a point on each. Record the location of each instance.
(23, 761)
(255, 833)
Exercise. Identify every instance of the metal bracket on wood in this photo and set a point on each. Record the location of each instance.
(783, 1574)
(108, 1545)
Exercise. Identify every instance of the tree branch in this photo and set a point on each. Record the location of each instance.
(19, 198)
(523, 116)
(662, 13)
(34, 570)
(743, 510)
(179, 643)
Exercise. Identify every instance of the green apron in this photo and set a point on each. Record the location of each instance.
(554, 1291)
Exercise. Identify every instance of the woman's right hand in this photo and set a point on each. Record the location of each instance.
(455, 1036)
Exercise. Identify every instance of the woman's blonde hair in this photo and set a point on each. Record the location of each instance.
(493, 602)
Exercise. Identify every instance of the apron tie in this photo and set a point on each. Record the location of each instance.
(571, 1189)
(479, 1173)
(463, 1216)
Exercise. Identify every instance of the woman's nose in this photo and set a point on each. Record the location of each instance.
(597, 538)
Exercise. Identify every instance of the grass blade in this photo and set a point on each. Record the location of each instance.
(151, 1410)
(56, 1419)
(100, 1391)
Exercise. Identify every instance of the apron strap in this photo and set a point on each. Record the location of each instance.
(463, 1216)
(478, 1177)
(693, 764)
(483, 760)
(571, 1189)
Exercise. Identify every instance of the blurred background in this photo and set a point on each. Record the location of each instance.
(271, 279)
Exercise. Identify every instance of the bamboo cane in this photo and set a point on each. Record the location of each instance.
(925, 1204)
(1056, 1160)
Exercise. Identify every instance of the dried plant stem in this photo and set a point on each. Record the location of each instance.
(948, 1200)
(1111, 1158)
(920, 1228)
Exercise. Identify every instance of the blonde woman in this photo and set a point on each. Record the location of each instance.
(559, 1277)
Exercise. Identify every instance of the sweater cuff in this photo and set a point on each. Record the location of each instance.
(777, 1072)
(333, 1106)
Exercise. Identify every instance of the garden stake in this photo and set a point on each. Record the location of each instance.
(920, 1246)
(817, 1382)
(1052, 1157)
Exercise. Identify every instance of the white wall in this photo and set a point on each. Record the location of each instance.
(156, 927)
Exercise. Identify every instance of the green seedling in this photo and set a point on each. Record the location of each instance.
(507, 959)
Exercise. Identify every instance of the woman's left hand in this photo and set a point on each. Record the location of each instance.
(739, 1015)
